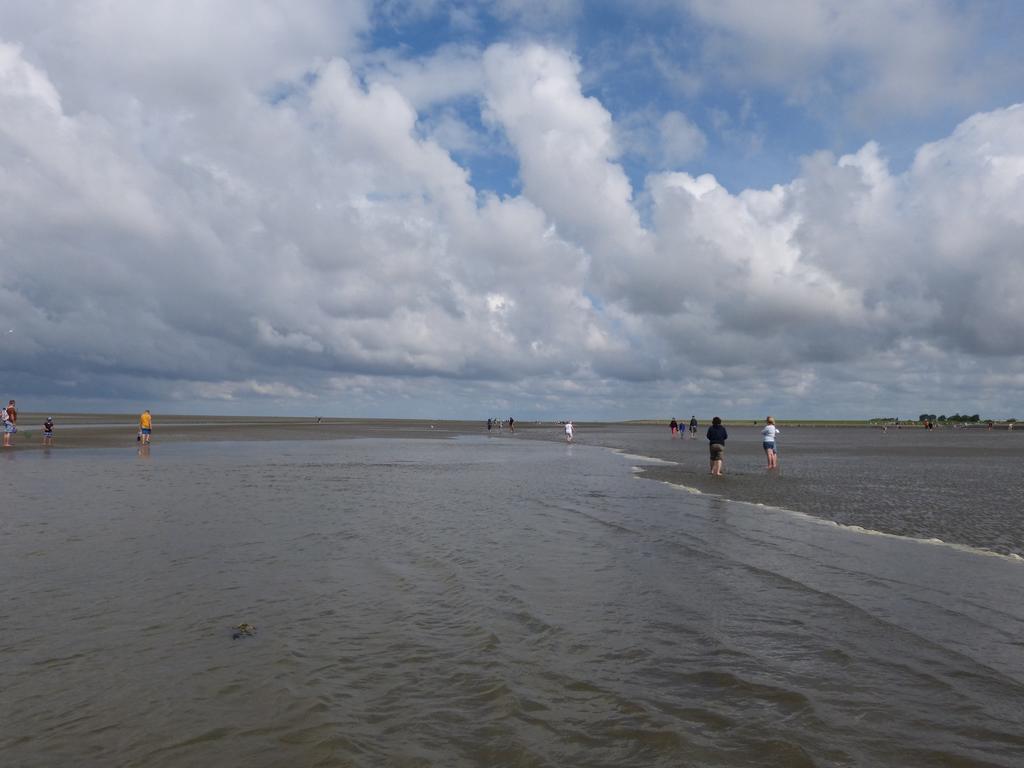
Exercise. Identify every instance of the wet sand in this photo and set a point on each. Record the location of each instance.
(120, 430)
(482, 601)
(960, 486)
(86, 430)
(956, 485)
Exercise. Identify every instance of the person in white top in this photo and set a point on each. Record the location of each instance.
(568, 431)
(768, 442)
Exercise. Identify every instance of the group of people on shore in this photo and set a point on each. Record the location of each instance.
(9, 421)
(717, 435)
(498, 423)
(678, 429)
(9, 418)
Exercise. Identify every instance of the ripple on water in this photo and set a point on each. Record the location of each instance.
(429, 605)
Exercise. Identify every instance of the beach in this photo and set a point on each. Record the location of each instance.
(499, 600)
(960, 486)
(119, 430)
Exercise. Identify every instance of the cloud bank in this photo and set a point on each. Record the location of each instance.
(271, 217)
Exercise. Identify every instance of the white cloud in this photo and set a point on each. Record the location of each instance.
(538, 14)
(567, 152)
(164, 237)
(849, 258)
(663, 141)
(233, 390)
(681, 140)
(907, 57)
(453, 134)
(74, 163)
(450, 73)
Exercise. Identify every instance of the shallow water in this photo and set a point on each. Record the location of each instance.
(960, 486)
(478, 602)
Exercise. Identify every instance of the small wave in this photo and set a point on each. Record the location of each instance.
(677, 486)
(932, 541)
(1012, 556)
(645, 459)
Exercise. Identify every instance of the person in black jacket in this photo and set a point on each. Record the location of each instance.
(717, 437)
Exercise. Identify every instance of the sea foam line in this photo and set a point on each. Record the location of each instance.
(859, 529)
(645, 459)
(1012, 556)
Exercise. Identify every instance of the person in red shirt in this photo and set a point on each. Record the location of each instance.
(10, 420)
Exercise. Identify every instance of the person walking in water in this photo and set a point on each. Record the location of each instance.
(145, 426)
(693, 427)
(674, 426)
(48, 431)
(568, 431)
(716, 440)
(511, 424)
(768, 435)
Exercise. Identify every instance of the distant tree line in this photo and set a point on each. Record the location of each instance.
(956, 418)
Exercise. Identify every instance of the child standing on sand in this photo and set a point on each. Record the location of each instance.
(145, 427)
(768, 435)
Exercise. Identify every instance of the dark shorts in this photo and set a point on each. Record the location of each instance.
(717, 449)
(147, 431)
(768, 446)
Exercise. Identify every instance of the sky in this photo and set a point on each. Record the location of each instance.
(546, 209)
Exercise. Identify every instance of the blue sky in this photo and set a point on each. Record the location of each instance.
(554, 209)
(757, 131)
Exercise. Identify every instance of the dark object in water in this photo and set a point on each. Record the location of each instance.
(244, 630)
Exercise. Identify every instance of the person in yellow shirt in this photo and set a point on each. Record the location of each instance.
(145, 426)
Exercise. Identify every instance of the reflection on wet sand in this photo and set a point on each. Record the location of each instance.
(570, 614)
(493, 601)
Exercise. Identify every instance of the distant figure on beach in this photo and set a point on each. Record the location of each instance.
(145, 426)
(511, 424)
(674, 426)
(768, 435)
(490, 423)
(568, 431)
(716, 439)
(9, 417)
(48, 430)
(693, 427)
